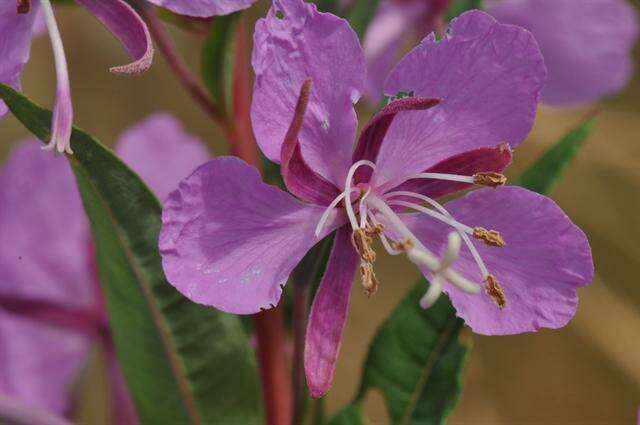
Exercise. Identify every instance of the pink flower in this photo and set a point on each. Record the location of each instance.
(230, 241)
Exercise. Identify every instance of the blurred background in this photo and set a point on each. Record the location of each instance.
(586, 373)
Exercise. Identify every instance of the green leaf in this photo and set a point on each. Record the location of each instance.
(218, 58)
(330, 6)
(184, 363)
(416, 361)
(547, 171)
(458, 7)
(361, 14)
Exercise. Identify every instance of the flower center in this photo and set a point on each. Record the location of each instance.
(365, 208)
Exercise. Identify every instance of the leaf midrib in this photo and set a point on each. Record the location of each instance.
(433, 357)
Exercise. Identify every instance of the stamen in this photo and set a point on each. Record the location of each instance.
(369, 281)
(347, 189)
(489, 179)
(362, 243)
(494, 290)
(385, 241)
(444, 176)
(24, 6)
(489, 237)
(462, 229)
(330, 208)
(420, 255)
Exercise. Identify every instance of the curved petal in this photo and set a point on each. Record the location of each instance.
(15, 43)
(488, 76)
(47, 256)
(295, 43)
(161, 152)
(329, 315)
(39, 363)
(587, 46)
(129, 28)
(545, 260)
(230, 241)
(44, 257)
(203, 8)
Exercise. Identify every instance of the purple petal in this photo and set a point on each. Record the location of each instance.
(329, 315)
(230, 241)
(466, 164)
(299, 178)
(46, 257)
(161, 152)
(129, 28)
(488, 76)
(39, 363)
(587, 46)
(15, 43)
(376, 129)
(295, 43)
(18, 412)
(204, 7)
(545, 260)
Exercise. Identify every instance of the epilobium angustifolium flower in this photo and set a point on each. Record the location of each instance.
(509, 259)
(587, 45)
(51, 308)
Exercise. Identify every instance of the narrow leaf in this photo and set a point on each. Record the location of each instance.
(217, 58)
(184, 363)
(361, 14)
(460, 6)
(549, 168)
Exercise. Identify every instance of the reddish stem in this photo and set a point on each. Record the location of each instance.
(276, 377)
(245, 147)
(183, 73)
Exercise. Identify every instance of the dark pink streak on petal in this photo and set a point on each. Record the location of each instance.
(69, 318)
(373, 134)
(467, 164)
(329, 315)
(125, 23)
(300, 179)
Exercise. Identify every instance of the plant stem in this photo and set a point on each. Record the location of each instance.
(182, 72)
(276, 383)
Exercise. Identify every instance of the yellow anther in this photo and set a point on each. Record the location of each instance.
(362, 242)
(489, 237)
(490, 179)
(402, 246)
(494, 290)
(369, 280)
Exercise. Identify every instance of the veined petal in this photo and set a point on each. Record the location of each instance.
(15, 43)
(204, 8)
(129, 28)
(295, 43)
(494, 159)
(488, 76)
(43, 257)
(545, 260)
(161, 152)
(230, 241)
(329, 315)
(587, 46)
